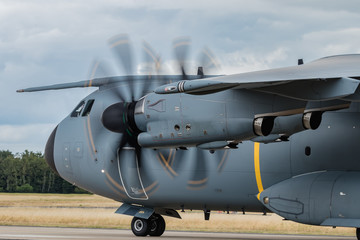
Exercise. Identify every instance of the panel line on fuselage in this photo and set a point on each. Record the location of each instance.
(90, 135)
(257, 168)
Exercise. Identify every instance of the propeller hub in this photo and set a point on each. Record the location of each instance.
(120, 118)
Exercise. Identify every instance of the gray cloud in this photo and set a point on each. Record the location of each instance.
(47, 42)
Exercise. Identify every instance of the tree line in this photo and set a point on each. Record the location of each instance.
(29, 172)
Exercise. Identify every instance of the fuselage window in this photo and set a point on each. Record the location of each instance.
(78, 109)
(88, 107)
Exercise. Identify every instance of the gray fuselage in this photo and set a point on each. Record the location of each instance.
(86, 154)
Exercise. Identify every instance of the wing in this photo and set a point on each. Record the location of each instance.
(80, 84)
(105, 81)
(335, 77)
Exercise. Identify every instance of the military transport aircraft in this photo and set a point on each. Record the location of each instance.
(282, 140)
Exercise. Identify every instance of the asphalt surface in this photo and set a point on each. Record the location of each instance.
(40, 233)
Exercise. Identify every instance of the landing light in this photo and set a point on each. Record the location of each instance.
(102, 170)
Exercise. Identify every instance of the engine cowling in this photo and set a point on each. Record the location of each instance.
(288, 125)
(312, 120)
(263, 126)
(196, 133)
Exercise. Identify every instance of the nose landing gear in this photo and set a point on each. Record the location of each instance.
(154, 226)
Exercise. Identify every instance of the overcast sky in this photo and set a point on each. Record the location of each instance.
(47, 42)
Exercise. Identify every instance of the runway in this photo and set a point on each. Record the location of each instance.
(51, 233)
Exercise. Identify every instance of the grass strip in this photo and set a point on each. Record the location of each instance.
(92, 211)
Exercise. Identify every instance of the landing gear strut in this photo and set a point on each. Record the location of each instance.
(358, 233)
(154, 226)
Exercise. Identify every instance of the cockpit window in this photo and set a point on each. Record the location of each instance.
(88, 107)
(78, 109)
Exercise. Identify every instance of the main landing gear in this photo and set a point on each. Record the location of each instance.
(154, 226)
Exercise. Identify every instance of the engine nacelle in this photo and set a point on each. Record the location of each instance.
(283, 128)
(196, 133)
(312, 120)
(263, 125)
(319, 198)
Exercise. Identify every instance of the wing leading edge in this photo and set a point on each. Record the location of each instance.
(101, 82)
(328, 78)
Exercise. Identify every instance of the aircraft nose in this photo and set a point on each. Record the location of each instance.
(49, 151)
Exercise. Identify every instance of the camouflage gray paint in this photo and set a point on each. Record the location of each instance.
(282, 140)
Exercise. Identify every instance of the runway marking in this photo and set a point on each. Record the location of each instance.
(41, 236)
(257, 168)
(36, 233)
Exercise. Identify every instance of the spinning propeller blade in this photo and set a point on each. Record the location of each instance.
(208, 61)
(119, 117)
(197, 160)
(181, 47)
(121, 47)
(152, 60)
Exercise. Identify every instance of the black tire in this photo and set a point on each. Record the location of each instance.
(140, 227)
(358, 233)
(157, 225)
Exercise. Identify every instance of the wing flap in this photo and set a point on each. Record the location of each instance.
(315, 90)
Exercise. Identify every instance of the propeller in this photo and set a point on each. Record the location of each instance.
(119, 117)
(199, 176)
(151, 59)
(177, 162)
(200, 168)
(122, 50)
(181, 47)
(208, 62)
(152, 66)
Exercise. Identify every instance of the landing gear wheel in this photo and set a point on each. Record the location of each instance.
(157, 225)
(140, 227)
(358, 233)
